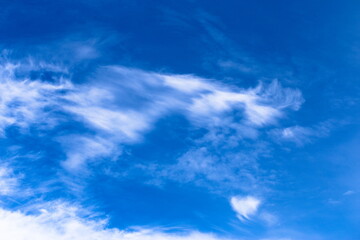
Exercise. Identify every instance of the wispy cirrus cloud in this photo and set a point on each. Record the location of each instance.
(302, 135)
(82, 149)
(9, 182)
(234, 169)
(23, 101)
(129, 101)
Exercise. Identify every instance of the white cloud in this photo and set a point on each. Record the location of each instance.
(245, 207)
(118, 105)
(202, 167)
(301, 135)
(62, 221)
(258, 104)
(9, 183)
(186, 83)
(22, 102)
(82, 149)
(96, 107)
(296, 134)
(216, 103)
(269, 218)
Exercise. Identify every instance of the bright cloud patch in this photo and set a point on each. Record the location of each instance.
(245, 207)
(61, 221)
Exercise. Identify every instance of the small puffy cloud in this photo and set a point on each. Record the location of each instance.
(245, 207)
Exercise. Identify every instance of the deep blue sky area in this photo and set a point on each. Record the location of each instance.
(179, 120)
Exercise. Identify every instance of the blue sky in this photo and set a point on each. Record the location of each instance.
(179, 120)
